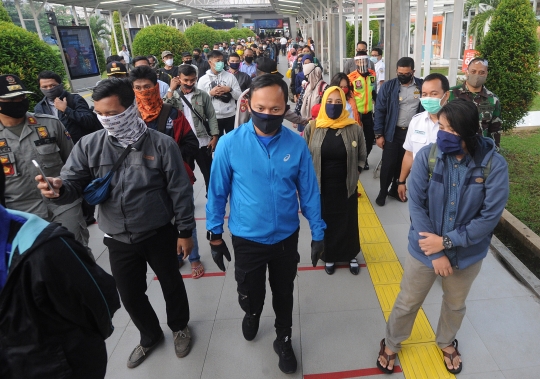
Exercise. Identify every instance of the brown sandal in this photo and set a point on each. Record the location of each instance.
(197, 271)
(451, 356)
(388, 358)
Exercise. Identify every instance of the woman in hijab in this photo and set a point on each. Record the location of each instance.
(338, 149)
(299, 78)
(314, 88)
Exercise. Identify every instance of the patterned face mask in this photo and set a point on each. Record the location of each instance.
(126, 127)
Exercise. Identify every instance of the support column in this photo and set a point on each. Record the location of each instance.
(321, 37)
(86, 17)
(427, 49)
(122, 26)
(74, 15)
(328, 35)
(419, 35)
(35, 14)
(341, 36)
(455, 43)
(18, 7)
(356, 16)
(393, 38)
(365, 23)
(114, 34)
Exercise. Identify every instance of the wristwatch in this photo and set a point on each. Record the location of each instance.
(401, 183)
(377, 136)
(213, 237)
(169, 90)
(447, 243)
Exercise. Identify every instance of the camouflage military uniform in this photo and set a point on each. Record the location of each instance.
(489, 109)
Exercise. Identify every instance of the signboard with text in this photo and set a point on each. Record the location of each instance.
(468, 55)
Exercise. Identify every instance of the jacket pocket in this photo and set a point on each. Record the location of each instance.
(39, 362)
(49, 155)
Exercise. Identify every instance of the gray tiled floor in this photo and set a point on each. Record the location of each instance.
(337, 319)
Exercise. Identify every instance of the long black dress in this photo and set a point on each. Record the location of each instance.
(341, 238)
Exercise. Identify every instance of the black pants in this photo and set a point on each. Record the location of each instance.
(251, 260)
(225, 125)
(392, 158)
(284, 49)
(204, 161)
(128, 266)
(369, 134)
(88, 210)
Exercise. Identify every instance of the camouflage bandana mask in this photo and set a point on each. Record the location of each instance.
(126, 127)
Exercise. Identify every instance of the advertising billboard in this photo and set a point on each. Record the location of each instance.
(269, 24)
(78, 50)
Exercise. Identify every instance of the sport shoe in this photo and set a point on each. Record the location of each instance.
(287, 359)
(182, 342)
(250, 326)
(139, 354)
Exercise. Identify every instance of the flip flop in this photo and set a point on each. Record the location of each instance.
(388, 359)
(197, 271)
(451, 356)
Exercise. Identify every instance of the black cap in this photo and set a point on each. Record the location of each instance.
(268, 66)
(186, 54)
(114, 68)
(11, 86)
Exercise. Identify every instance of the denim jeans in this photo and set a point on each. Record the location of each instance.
(194, 256)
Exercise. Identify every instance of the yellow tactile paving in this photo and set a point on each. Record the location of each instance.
(420, 357)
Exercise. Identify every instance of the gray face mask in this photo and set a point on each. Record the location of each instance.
(54, 92)
(476, 80)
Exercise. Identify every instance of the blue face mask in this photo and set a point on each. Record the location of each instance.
(219, 66)
(373, 59)
(234, 66)
(449, 143)
(431, 104)
(334, 110)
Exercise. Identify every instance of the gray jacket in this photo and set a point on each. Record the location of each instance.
(148, 190)
(202, 103)
(355, 144)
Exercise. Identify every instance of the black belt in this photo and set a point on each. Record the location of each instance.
(402, 127)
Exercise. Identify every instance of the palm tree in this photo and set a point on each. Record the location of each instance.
(484, 10)
(100, 30)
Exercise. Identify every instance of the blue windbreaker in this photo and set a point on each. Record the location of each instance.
(263, 183)
(479, 205)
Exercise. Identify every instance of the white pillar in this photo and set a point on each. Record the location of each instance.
(122, 26)
(328, 35)
(341, 36)
(74, 15)
(114, 34)
(419, 35)
(356, 16)
(35, 14)
(365, 22)
(86, 17)
(321, 37)
(455, 43)
(429, 26)
(17, 5)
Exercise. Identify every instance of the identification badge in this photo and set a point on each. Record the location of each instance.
(354, 144)
(4, 148)
(400, 98)
(358, 84)
(7, 165)
(372, 79)
(42, 132)
(45, 141)
(421, 132)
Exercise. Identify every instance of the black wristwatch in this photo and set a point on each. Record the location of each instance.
(213, 237)
(447, 243)
(400, 183)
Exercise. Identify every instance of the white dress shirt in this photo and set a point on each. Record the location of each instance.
(422, 131)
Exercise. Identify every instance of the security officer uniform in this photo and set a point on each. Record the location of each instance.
(44, 139)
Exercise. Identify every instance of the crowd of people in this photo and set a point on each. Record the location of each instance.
(133, 154)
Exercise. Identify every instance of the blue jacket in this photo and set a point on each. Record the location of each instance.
(387, 108)
(263, 182)
(479, 205)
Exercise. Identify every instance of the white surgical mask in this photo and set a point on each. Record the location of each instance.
(169, 62)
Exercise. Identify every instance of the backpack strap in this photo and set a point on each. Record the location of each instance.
(486, 171)
(432, 159)
(163, 117)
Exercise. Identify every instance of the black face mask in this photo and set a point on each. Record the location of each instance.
(188, 61)
(249, 60)
(267, 123)
(334, 110)
(54, 92)
(196, 56)
(404, 79)
(15, 109)
(188, 88)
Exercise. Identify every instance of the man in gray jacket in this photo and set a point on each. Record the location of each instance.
(149, 188)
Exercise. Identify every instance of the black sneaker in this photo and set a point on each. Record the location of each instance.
(250, 327)
(287, 359)
(366, 167)
(381, 200)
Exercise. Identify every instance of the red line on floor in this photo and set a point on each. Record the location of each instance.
(206, 275)
(310, 268)
(349, 374)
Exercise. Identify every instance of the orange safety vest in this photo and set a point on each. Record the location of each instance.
(363, 90)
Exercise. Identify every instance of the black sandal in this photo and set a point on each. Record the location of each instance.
(451, 356)
(388, 358)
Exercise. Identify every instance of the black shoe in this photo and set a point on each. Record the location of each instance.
(287, 359)
(330, 269)
(90, 221)
(366, 167)
(395, 195)
(381, 200)
(250, 327)
(355, 270)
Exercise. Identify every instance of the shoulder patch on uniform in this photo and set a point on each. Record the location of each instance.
(32, 120)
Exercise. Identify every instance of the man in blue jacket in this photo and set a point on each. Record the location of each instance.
(397, 102)
(263, 166)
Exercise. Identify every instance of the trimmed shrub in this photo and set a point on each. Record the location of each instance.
(351, 47)
(511, 43)
(22, 53)
(4, 15)
(241, 33)
(224, 36)
(157, 38)
(199, 34)
(102, 63)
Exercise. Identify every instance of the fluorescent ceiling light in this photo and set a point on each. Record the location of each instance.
(165, 10)
(289, 6)
(112, 1)
(229, 19)
(187, 12)
(211, 19)
(140, 6)
(204, 16)
(289, 1)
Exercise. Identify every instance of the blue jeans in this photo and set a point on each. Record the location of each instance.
(194, 256)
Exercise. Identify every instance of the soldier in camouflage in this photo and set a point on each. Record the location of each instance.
(488, 104)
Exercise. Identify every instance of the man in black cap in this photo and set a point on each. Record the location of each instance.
(187, 59)
(116, 70)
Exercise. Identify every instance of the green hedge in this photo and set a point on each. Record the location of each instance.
(102, 63)
(241, 33)
(157, 38)
(511, 48)
(351, 47)
(4, 15)
(199, 34)
(22, 53)
(118, 31)
(224, 36)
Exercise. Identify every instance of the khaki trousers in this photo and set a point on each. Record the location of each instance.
(416, 282)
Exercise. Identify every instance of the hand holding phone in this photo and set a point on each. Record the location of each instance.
(44, 177)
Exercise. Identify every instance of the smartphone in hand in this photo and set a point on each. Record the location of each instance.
(44, 176)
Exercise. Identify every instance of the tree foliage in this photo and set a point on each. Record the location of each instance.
(117, 25)
(63, 16)
(241, 33)
(511, 43)
(157, 38)
(20, 46)
(100, 29)
(224, 36)
(351, 48)
(199, 34)
(4, 15)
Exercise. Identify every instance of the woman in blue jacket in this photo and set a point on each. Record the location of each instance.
(455, 203)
